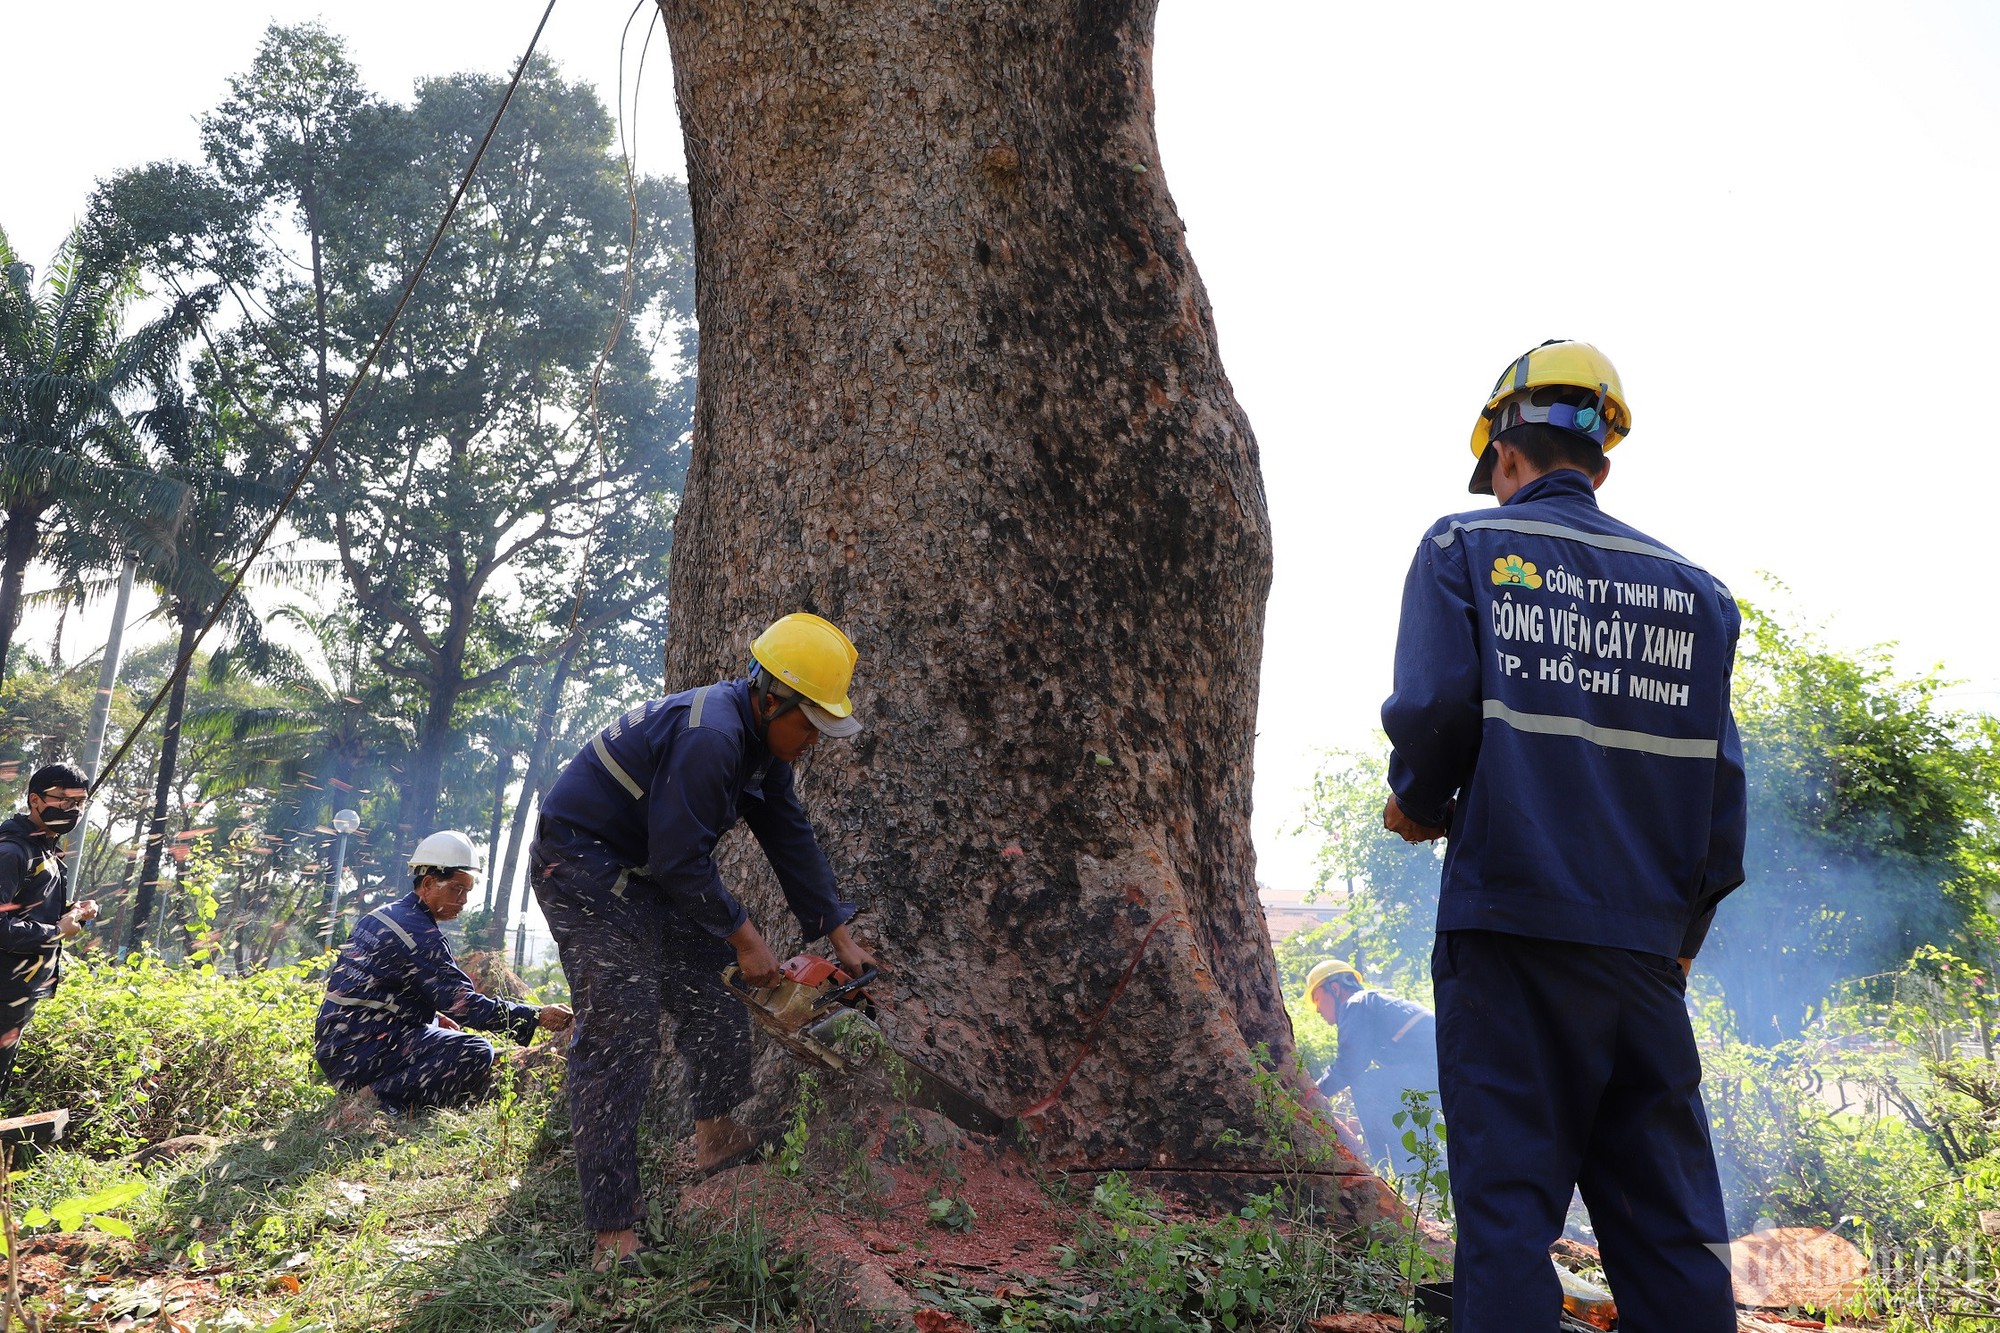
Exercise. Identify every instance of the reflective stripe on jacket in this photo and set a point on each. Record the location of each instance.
(392, 978)
(662, 784)
(1562, 691)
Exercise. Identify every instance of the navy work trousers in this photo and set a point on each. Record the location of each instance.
(423, 1067)
(630, 956)
(18, 1012)
(1561, 1066)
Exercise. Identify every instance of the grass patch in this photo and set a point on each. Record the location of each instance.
(459, 1221)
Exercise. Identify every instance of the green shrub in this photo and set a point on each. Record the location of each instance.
(141, 1051)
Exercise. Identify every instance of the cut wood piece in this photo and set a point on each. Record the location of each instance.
(43, 1127)
(1788, 1266)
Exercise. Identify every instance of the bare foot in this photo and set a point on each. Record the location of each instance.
(718, 1140)
(353, 1111)
(611, 1247)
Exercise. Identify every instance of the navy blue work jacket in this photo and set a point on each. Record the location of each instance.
(392, 978)
(663, 783)
(33, 896)
(1562, 704)
(1377, 1028)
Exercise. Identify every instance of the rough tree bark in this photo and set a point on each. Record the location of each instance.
(960, 391)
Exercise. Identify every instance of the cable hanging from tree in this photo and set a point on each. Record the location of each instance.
(333, 424)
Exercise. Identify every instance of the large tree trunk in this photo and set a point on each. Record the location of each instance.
(960, 391)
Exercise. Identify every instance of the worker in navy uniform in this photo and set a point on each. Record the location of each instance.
(1388, 1047)
(392, 1027)
(623, 865)
(1561, 715)
(35, 913)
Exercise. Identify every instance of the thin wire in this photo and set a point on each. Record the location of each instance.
(628, 154)
(326, 437)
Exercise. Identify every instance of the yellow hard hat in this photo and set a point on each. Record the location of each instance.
(1327, 970)
(812, 656)
(1558, 363)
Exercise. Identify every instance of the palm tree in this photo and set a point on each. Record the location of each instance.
(326, 733)
(64, 443)
(234, 485)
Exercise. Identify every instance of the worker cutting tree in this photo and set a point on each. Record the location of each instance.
(1561, 713)
(623, 865)
(391, 1030)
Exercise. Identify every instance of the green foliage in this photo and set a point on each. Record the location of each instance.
(1387, 916)
(1874, 814)
(71, 477)
(514, 461)
(44, 715)
(955, 1215)
(141, 1051)
(1138, 1263)
(790, 1158)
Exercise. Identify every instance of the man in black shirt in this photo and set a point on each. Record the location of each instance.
(35, 915)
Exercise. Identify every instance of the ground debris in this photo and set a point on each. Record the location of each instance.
(1796, 1266)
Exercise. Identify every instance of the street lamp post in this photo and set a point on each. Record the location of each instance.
(344, 823)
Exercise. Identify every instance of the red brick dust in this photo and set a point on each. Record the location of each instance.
(860, 1206)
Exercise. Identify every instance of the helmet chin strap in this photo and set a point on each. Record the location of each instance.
(762, 688)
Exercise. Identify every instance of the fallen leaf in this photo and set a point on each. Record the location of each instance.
(937, 1321)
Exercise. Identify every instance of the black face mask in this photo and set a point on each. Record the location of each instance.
(57, 820)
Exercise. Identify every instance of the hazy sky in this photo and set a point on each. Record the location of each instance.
(1778, 219)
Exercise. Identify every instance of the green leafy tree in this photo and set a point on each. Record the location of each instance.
(1872, 826)
(66, 361)
(1389, 912)
(325, 732)
(197, 439)
(501, 461)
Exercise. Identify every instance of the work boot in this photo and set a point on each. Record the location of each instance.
(721, 1143)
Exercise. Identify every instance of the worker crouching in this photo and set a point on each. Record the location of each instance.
(392, 1026)
(623, 867)
(1388, 1049)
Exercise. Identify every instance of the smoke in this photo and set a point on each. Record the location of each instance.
(1818, 907)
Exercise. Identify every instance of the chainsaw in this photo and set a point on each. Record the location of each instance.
(825, 1018)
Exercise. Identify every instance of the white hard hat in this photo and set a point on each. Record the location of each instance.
(449, 850)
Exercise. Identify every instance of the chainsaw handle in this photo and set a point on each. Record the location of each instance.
(836, 994)
(732, 981)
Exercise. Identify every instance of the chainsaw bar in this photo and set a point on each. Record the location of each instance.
(824, 1019)
(948, 1100)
